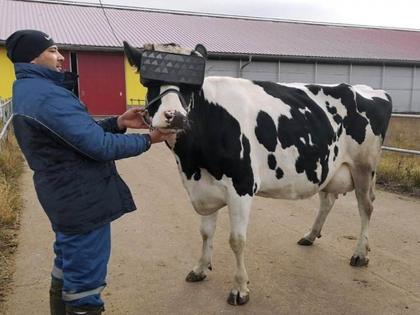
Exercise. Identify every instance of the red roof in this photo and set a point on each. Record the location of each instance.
(86, 25)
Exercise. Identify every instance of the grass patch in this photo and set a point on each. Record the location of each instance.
(401, 172)
(403, 133)
(11, 167)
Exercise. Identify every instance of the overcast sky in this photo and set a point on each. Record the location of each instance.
(391, 13)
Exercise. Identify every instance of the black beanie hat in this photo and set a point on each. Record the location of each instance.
(26, 45)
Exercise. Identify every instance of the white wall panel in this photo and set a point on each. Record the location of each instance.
(397, 81)
(260, 70)
(222, 68)
(332, 73)
(368, 75)
(297, 72)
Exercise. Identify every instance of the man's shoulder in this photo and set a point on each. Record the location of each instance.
(34, 94)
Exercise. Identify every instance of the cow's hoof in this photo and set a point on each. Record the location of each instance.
(193, 277)
(236, 299)
(305, 242)
(357, 261)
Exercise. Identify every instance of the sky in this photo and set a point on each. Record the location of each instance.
(386, 13)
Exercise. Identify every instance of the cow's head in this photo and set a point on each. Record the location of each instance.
(171, 74)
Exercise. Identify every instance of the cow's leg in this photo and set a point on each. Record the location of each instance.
(326, 201)
(207, 229)
(363, 183)
(239, 210)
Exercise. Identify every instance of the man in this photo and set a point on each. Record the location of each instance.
(75, 177)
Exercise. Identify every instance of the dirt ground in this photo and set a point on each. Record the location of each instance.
(154, 249)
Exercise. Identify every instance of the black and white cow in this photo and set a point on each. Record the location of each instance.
(239, 138)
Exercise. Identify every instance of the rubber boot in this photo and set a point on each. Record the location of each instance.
(57, 306)
(84, 310)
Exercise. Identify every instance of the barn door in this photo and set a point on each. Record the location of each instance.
(101, 82)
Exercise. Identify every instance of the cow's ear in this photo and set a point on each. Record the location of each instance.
(201, 50)
(133, 55)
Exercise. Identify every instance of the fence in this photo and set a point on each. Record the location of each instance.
(399, 150)
(5, 119)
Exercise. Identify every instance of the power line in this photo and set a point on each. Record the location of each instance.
(109, 23)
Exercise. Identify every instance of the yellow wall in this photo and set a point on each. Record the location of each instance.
(134, 91)
(7, 75)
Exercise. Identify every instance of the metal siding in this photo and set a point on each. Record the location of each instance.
(101, 82)
(296, 72)
(227, 68)
(398, 83)
(416, 102)
(399, 78)
(400, 100)
(368, 75)
(332, 73)
(259, 70)
(417, 79)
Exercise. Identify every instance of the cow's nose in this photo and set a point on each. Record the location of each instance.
(169, 115)
(175, 119)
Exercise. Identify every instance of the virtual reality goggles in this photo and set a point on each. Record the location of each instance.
(165, 68)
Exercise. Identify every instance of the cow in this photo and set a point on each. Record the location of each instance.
(238, 138)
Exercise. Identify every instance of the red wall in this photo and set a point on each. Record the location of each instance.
(101, 82)
(66, 63)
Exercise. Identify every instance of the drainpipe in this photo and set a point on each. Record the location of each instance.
(244, 65)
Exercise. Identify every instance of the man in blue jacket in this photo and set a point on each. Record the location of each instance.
(75, 177)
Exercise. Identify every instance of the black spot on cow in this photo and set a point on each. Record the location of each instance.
(314, 88)
(255, 187)
(279, 173)
(215, 143)
(266, 131)
(271, 160)
(353, 122)
(335, 152)
(331, 109)
(313, 123)
(340, 131)
(378, 111)
(337, 118)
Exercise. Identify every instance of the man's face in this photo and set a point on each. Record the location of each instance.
(50, 58)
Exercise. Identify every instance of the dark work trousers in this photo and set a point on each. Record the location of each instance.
(81, 263)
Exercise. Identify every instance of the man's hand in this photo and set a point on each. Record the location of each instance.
(132, 118)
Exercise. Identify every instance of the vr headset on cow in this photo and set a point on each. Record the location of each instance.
(163, 68)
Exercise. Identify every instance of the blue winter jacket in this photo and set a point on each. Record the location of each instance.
(71, 154)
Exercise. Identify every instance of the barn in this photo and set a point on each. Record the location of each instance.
(91, 36)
